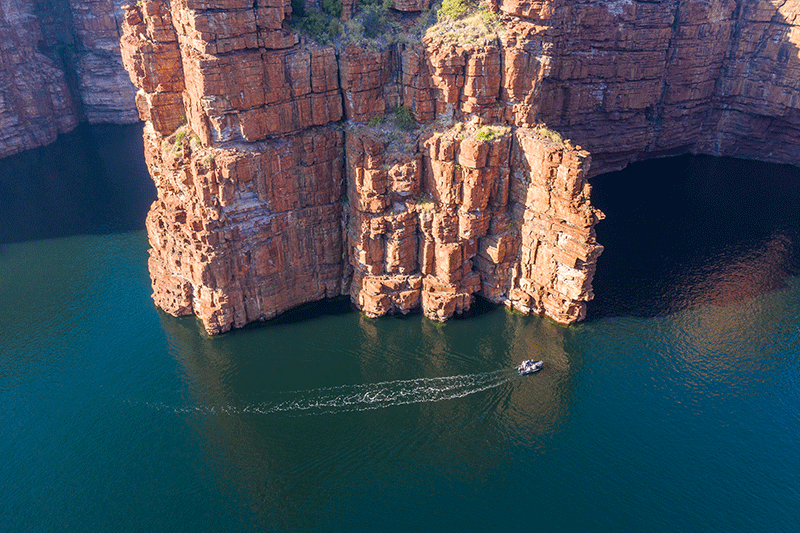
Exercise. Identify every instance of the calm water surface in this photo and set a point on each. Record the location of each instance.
(674, 408)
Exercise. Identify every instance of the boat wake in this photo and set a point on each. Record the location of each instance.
(344, 398)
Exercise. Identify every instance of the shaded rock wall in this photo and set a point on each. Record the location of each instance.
(106, 93)
(59, 64)
(283, 177)
(630, 80)
(35, 102)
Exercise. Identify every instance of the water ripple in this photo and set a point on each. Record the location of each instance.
(362, 397)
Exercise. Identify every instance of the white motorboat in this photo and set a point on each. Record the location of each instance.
(529, 366)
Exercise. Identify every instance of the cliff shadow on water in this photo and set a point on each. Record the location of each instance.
(343, 305)
(691, 231)
(92, 180)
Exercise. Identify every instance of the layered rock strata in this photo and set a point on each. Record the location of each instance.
(248, 221)
(106, 93)
(283, 177)
(35, 102)
(239, 236)
(508, 218)
(630, 80)
(59, 65)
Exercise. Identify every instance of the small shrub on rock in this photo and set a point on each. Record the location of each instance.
(550, 134)
(453, 9)
(373, 18)
(487, 134)
(424, 202)
(403, 118)
(332, 7)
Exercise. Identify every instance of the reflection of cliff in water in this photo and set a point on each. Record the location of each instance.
(295, 410)
(694, 230)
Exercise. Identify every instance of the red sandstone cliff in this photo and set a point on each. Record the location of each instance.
(629, 80)
(59, 64)
(243, 143)
(283, 177)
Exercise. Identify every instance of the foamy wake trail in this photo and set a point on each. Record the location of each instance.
(365, 397)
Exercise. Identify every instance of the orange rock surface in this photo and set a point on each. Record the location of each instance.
(242, 235)
(285, 175)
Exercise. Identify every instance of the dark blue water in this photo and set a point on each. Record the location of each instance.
(674, 408)
(93, 180)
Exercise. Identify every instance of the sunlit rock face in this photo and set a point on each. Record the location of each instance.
(59, 64)
(422, 173)
(248, 162)
(239, 236)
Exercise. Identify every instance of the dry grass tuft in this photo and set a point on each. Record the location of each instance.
(478, 29)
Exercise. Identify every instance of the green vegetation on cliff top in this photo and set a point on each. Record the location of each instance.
(376, 23)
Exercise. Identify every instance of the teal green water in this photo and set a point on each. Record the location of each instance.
(676, 413)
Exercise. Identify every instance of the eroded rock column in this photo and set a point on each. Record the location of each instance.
(468, 180)
(247, 163)
(384, 174)
(557, 246)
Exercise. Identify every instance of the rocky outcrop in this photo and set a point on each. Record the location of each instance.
(420, 174)
(558, 251)
(59, 65)
(248, 221)
(242, 235)
(368, 82)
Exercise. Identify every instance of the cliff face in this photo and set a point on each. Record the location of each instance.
(59, 64)
(630, 80)
(239, 236)
(284, 176)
